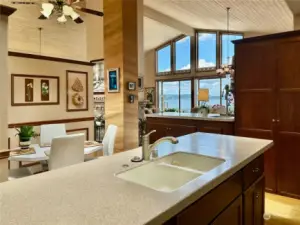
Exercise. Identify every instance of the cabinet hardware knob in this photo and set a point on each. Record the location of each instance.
(255, 170)
(257, 195)
(278, 121)
(273, 120)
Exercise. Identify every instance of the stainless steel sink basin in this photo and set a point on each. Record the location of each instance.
(169, 173)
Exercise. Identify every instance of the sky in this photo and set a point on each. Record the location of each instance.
(207, 58)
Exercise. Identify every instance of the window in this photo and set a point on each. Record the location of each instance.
(183, 54)
(175, 96)
(164, 60)
(207, 51)
(215, 87)
(228, 47)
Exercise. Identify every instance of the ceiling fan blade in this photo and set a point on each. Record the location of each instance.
(78, 20)
(89, 11)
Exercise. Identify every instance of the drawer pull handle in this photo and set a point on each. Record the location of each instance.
(255, 170)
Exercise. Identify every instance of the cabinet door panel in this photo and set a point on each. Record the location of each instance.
(179, 130)
(233, 215)
(254, 204)
(160, 131)
(288, 123)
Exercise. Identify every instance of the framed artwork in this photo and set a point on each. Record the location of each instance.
(29, 90)
(113, 80)
(77, 91)
(141, 83)
(84, 131)
(131, 86)
(98, 78)
(150, 95)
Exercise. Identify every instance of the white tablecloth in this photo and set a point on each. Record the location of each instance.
(41, 156)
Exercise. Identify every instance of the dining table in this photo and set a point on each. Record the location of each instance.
(40, 153)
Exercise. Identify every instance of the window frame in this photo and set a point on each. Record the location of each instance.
(174, 80)
(197, 50)
(171, 56)
(221, 45)
(174, 55)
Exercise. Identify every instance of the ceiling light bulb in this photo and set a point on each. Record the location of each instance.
(74, 15)
(47, 9)
(62, 19)
(67, 10)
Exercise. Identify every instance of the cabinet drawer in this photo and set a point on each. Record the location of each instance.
(253, 171)
(203, 211)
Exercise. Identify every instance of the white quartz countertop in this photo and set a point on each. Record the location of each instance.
(194, 116)
(90, 194)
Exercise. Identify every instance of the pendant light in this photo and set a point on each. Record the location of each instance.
(227, 68)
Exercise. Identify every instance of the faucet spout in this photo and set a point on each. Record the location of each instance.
(148, 149)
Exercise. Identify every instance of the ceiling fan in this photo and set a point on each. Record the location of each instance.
(63, 9)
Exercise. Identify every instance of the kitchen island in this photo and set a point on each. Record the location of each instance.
(90, 193)
(178, 124)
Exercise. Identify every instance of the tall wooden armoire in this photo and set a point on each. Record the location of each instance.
(267, 90)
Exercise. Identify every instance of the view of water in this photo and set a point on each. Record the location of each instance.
(172, 101)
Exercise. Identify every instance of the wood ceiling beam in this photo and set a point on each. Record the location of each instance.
(164, 19)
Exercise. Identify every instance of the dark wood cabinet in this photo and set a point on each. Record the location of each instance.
(179, 127)
(267, 86)
(254, 203)
(233, 215)
(237, 201)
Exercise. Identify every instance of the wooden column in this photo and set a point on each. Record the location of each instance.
(121, 51)
(297, 22)
(5, 12)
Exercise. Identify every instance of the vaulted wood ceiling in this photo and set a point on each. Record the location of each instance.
(246, 15)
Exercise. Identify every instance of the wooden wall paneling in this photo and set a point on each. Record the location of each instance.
(121, 51)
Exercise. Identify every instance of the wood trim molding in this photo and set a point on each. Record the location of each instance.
(6, 10)
(49, 58)
(38, 123)
(86, 129)
(86, 91)
(4, 154)
(268, 37)
(96, 60)
(33, 103)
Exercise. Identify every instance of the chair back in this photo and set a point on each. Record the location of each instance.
(66, 150)
(49, 131)
(109, 140)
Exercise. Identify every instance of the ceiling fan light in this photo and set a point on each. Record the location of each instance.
(78, 20)
(47, 9)
(62, 19)
(67, 10)
(74, 15)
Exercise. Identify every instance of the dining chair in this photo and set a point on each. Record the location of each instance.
(49, 131)
(109, 140)
(66, 150)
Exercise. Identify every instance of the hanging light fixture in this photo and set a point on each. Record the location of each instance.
(226, 69)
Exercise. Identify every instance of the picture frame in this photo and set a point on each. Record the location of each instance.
(141, 83)
(98, 77)
(33, 90)
(131, 86)
(113, 80)
(77, 91)
(150, 97)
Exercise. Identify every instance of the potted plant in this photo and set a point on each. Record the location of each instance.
(25, 134)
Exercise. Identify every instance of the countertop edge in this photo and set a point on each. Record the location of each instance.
(216, 119)
(189, 200)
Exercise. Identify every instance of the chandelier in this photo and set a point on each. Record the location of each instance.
(226, 69)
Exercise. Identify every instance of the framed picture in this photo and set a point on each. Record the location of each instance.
(113, 80)
(150, 95)
(131, 86)
(141, 83)
(84, 131)
(98, 78)
(77, 91)
(29, 90)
